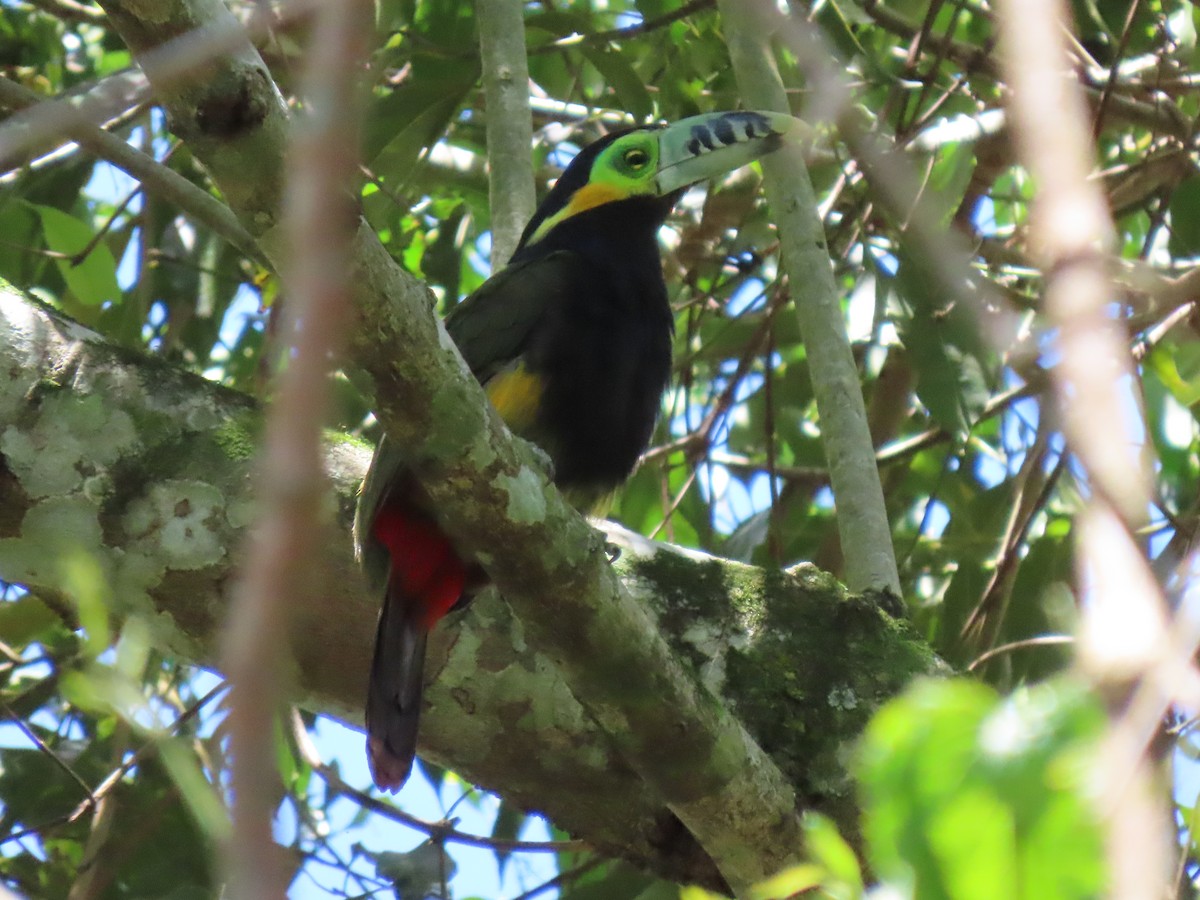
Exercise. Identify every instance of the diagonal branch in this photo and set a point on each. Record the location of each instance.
(151, 453)
(156, 178)
(493, 495)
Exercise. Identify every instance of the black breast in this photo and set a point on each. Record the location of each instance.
(604, 347)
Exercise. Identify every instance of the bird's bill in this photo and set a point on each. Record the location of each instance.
(702, 147)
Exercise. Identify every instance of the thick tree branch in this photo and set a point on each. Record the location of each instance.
(228, 111)
(151, 472)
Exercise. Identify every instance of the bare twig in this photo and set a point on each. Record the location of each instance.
(94, 795)
(1123, 639)
(1073, 233)
(156, 178)
(632, 31)
(47, 750)
(563, 878)
(1118, 55)
(441, 830)
(70, 10)
(1032, 488)
(321, 216)
(1042, 640)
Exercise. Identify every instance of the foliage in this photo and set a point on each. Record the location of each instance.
(957, 783)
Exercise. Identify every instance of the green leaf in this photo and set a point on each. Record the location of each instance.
(24, 619)
(622, 79)
(22, 229)
(417, 872)
(748, 537)
(950, 178)
(1185, 218)
(842, 22)
(944, 345)
(1178, 367)
(970, 797)
(85, 582)
(93, 279)
(198, 793)
(616, 879)
(788, 883)
(830, 850)
(507, 827)
(404, 123)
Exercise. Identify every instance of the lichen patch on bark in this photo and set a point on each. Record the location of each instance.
(526, 498)
(74, 438)
(180, 523)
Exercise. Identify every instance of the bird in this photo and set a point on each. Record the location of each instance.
(571, 341)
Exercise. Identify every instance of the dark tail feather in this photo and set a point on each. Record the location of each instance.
(394, 692)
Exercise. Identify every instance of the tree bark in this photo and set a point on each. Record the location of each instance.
(149, 470)
(492, 496)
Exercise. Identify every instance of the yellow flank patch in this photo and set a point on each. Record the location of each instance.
(516, 394)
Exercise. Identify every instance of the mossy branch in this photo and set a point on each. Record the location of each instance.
(150, 471)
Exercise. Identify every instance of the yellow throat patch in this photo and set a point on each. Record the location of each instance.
(587, 197)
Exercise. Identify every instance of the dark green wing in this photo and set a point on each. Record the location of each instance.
(492, 326)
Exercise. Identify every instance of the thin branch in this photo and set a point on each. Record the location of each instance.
(1073, 232)
(1043, 640)
(440, 831)
(509, 126)
(674, 505)
(67, 150)
(563, 878)
(1033, 489)
(321, 215)
(165, 63)
(106, 226)
(95, 795)
(632, 31)
(863, 526)
(1124, 640)
(70, 10)
(1118, 55)
(156, 178)
(45, 748)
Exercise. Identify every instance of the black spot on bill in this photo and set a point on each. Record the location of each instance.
(723, 129)
(701, 134)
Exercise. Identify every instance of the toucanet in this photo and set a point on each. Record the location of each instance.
(572, 344)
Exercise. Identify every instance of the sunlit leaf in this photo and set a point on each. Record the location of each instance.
(88, 268)
(970, 796)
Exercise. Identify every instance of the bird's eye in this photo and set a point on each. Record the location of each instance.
(635, 158)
